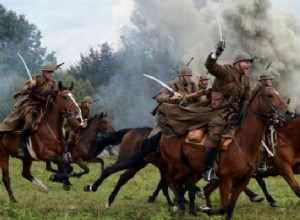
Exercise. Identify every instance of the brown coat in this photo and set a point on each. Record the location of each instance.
(36, 99)
(72, 123)
(228, 80)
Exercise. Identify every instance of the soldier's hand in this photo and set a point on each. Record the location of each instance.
(176, 96)
(82, 124)
(32, 83)
(220, 48)
(16, 94)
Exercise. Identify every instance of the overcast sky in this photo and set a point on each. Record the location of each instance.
(71, 27)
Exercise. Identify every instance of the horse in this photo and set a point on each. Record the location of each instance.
(130, 143)
(286, 161)
(47, 141)
(235, 165)
(88, 148)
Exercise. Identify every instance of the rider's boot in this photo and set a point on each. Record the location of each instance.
(68, 149)
(210, 173)
(23, 141)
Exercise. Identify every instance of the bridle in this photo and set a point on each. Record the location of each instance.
(273, 118)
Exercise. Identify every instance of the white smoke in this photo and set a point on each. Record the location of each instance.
(250, 26)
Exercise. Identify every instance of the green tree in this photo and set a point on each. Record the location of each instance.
(99, 65)
(17, 35)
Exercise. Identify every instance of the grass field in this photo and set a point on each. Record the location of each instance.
(131, 203)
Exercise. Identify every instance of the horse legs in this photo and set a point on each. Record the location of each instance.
(208, 189)
(287, 173)
(62, 175)
(26, 173)
(162, 185)
(5, 174)
(179, 198)
(49, 167)
(106, 173)
(124, 178)
(263, 186)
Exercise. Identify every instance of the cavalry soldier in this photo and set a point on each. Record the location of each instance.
(266, 78)
(232, 86)
(202, 84)
(72, 126)
(37, 91)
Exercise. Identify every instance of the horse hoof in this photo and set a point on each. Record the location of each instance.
(66, 187)
(52, 177)
(107, 206)
(203, 208)
(151, 199)
(274, 204)
(256, 199)
(87, 188)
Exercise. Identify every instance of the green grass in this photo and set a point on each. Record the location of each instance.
(131, 202)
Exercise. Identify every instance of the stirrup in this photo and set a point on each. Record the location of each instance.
(68, 156)
(210, 175)
(21, 152)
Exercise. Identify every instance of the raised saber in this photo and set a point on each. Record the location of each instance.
(220, 29)
(160, 82)
(30, 77)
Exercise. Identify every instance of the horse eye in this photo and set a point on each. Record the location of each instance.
(270, 96)
(65, 97)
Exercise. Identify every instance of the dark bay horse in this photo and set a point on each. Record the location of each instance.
(130, 142)
(286, 161)
(235, 166)
(88, 147)
(47, 141)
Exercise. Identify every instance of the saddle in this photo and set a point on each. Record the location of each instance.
(227, 137)
(196, 136)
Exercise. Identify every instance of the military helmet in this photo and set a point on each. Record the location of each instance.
(266, 75)
(48, 67)
(202, 77)
(241, 57)
(186, 71)
(88, 99)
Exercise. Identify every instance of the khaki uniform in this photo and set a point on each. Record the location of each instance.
(35, 100)
(71, 125)
(231, 83)
(163, 97)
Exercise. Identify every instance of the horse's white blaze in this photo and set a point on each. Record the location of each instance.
(40, 185)
(77, 106)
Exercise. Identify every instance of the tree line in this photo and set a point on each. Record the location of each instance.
(112, 77)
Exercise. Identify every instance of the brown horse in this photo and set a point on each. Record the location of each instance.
(131, 140)
(235, 166)
(286, 161)
(88, 148)
(47, 141)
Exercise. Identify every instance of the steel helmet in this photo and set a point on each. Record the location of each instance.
(88, 99)
(241, 57)
(202, 77)
(266, 75)
(186, 71)
(48, 67)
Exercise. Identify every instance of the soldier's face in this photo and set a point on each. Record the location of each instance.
(48, 74)
(244, 66)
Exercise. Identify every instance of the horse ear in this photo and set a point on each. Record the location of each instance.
(60, 86)
(104, 114)
(288, 101)
(71, 87)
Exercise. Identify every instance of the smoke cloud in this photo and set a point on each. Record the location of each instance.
(250, 26)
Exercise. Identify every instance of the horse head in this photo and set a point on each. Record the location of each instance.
(65, 101)
(101, 123)
(268, 105)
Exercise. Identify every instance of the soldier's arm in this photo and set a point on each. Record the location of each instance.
(217, 70)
